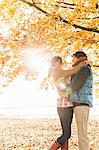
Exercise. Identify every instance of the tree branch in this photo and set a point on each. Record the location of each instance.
(39, 3)
(66, 3)
(97, 66)
(80, 27)
(89, 18)
(65, 21)
(34, 5)
(96, 5)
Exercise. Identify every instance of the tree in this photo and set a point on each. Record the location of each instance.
(53, 26)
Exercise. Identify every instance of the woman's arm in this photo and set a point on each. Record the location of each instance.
(70, 72)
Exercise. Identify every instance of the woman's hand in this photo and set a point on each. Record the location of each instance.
(83, 63)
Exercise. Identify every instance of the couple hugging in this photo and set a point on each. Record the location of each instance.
(75, 96)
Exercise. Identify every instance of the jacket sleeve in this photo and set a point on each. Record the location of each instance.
(81, 79)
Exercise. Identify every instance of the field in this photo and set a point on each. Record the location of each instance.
(39, 134)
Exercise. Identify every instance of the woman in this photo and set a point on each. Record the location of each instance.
(64, 106)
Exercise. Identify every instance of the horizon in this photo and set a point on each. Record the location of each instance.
(22, 98)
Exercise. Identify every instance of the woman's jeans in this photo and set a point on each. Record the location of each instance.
(65, 115)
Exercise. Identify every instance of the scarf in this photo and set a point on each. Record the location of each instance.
(82, 59)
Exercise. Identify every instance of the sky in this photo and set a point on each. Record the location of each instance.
(23, 98)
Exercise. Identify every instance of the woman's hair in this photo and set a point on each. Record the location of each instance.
(56, 59)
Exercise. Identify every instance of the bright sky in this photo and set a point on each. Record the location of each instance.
(22, 98)
(24, 95)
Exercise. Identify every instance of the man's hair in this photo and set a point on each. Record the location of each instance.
(79, 54)
(56, 59)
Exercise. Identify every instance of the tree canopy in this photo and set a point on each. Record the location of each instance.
(55, 27)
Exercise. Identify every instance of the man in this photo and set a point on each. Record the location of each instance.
(81, 84)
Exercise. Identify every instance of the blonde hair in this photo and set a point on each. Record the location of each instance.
(56, 59)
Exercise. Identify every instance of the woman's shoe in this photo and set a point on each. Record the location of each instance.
(65, 146)
(55, 146)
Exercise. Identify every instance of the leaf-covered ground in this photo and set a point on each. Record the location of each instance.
(39, 134)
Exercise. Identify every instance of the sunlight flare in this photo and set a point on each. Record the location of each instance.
(35, 60)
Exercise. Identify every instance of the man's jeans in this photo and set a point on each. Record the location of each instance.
(82, 115)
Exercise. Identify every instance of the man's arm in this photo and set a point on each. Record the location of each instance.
(81, 79)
